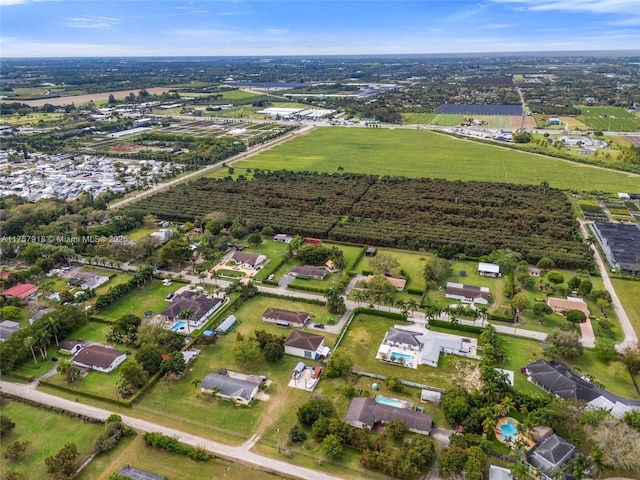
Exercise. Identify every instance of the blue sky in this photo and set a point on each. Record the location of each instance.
(62, 28)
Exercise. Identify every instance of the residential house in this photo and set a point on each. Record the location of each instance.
(397, 283)
(282, 238)
(555, 121)
(427, 345)
(561, 305)
(163, 234)
(70, 347)
(100, 358)
(560, 380)
(22, 290)
(308, 271)
(230, 388)
(550, 455)
(8, 328)
(286, 318)
(39, 314)
(201, 307)
(499, 473)
(371, 252)
(467, 293)
(248, 260)
(488, 269)
(306, 345)
(228, 323)
(367, 413)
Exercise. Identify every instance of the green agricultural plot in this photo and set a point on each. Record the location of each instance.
(151, 297)
(447, 119)
(48, 432)
(412, 263)
(420, 118)
(413, 153)
(609, 118)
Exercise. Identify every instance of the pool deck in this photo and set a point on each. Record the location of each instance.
(498, 432)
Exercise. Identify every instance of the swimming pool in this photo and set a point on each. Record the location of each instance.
(392, 402)
(178, 326)
(403, 356)
(509, 431)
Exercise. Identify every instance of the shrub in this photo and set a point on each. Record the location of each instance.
(297, 434)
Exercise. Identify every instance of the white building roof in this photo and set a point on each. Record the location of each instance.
(488, 267)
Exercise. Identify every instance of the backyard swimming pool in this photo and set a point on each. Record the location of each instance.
(392, 402)
(407, 359)
(178, 326)
(509, 431)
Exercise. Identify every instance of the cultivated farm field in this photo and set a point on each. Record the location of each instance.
(413, 153)
(610, 118)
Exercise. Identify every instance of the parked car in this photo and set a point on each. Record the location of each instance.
(318, 325)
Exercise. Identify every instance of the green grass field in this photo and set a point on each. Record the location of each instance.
(609, 118)
(151, 297)
(420, 118)
(627, 291)
(48, 432)
(413, 153)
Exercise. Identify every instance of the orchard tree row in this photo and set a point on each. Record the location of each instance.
(470, 218)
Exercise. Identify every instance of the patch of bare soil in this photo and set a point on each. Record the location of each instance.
(467, 374)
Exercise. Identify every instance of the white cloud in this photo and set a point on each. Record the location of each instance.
(625, 7)
(91, 22)
(276, 31)
(11, 2)
(496, 26)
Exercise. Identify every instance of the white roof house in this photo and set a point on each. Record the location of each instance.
(488, 269)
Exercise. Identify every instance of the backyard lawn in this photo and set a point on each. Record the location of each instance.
(151, 297)
(43, 429)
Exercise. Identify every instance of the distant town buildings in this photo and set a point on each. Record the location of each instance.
(67, 177)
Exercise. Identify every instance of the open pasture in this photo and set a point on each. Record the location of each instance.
(412, 153)
(48, 432)
(610, 118)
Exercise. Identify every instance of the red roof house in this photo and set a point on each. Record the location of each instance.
(313, 240)
(22, 290)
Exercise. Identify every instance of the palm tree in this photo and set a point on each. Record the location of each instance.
(41, 339)
(413, 305)
(195, 382)
(54, 326)
(358, 296)
(29, 342)
(215, 275)
(399, 304)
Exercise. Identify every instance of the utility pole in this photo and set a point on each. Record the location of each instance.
(278, 438)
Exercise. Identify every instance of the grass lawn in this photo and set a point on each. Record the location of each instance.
(428, 154)
(116, 279)
(48, 432)
(627, 291)
(151, 297)
(140, 232)
(132, 451)
(614, 376)
(423, 118)
(411, 262)
(609, 118)
(97, 383)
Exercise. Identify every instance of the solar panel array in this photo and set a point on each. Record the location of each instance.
(471, 109)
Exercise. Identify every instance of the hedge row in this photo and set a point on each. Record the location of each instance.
(62, 388)
(171, 444)
(456, 326)
(51, 408)
(312, 301)
(305, 288)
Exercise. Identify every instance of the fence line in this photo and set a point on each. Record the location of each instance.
(404, 382)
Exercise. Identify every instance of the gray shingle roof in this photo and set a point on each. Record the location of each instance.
(229, 386)
(304, 340)
(369, 412)
(550, 454)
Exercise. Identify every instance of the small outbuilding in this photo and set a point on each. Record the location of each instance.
(227, 325)
(488, 269)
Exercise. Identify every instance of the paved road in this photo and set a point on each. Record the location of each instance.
(630, 336)
(239, 454)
